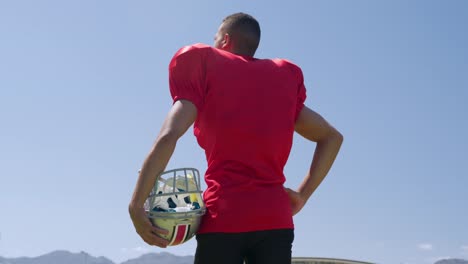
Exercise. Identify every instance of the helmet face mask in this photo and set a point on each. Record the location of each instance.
(176, 204)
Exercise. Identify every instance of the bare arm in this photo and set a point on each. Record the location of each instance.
(181, 116)
(315, 128)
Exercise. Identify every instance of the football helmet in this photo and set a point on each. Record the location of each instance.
(176, 204)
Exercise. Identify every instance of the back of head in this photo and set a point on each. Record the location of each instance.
(245, 32)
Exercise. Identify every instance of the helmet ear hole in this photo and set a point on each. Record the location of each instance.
(176, 204)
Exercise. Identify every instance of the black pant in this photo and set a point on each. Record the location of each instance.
(260, 247)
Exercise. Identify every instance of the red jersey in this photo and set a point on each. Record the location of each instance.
(247, 109)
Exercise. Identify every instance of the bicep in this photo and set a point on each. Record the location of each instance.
(312, 125)
(181, 116)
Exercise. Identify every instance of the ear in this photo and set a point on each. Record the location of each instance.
(226, 41)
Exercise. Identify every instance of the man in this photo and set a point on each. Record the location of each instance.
(245, 111)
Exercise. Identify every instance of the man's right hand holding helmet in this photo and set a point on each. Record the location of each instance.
(149, 233)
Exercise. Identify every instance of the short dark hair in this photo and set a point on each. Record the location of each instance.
(244, 27)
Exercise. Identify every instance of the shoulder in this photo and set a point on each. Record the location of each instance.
(193, 50)
(286, 63)
(191, 54)
(290, 66)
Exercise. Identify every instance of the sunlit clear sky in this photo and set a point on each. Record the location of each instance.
(84, 90)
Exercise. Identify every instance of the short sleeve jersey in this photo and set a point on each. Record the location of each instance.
(246, 111)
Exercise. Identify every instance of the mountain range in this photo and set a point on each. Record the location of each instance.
(452, 261)
(65, 257)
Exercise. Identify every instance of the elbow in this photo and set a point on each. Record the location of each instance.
(335, 136)
(339, 136)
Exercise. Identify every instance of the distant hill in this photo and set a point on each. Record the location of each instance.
(59, 257)
(452, 261)
(65, 257)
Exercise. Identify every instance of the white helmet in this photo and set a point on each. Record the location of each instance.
(176, 204)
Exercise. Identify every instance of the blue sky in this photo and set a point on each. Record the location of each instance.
(84, 90)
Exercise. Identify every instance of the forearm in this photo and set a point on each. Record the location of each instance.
(324, 156)
(153, 166)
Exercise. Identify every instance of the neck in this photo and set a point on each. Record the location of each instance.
(241, 52)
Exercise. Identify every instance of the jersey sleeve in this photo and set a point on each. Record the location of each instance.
(301, 93)
(187, 76)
